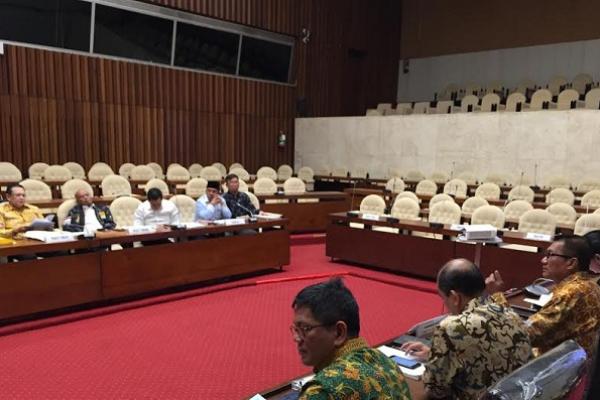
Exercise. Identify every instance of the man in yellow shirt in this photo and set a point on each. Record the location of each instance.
(16, 216)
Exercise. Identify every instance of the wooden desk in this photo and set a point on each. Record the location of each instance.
(34, 286)
(339, 183)
(306, 217)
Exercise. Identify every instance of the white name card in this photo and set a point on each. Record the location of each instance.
(370, 217)
(257, 397)
(235, 221)
(50, 237)
(538, 236)
(138, 230)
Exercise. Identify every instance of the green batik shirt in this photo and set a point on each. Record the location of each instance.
(358, 372)
(473, 350)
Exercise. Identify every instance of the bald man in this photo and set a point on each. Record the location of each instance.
(479, 343)
(87, 215)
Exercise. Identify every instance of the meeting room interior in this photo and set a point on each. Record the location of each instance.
(200, 197)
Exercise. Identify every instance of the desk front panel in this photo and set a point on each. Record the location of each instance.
(307, 217)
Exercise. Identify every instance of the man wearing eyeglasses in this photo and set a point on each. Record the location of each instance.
(325, 329)
(574, 310)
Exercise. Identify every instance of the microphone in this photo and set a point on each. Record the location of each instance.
(535, 168)
(250, 213)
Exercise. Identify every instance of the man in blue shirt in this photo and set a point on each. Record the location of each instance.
(211, 206)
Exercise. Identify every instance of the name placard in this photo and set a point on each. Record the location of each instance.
(137, 230)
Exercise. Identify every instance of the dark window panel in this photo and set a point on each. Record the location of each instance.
(265, 60)
(132, 35)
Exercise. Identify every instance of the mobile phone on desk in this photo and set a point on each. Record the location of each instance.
(406, 362)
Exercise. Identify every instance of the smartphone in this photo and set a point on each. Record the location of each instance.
(405, 362)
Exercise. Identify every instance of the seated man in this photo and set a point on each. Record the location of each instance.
(574, 310)
(593, 238)
(88, 216)
(325, 329)
(212, 206)
(477, 345)
(156, 211)
(16, 216)
(238, 202)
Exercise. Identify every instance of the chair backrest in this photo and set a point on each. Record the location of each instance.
(556, 84)
(525, 84)
(384, 107)
(560, 196)
(57, 173)
(407, 194)
(371, 112)
(322, 170)
(9, 172)
(373, 204)
(445, 212)
(243, 186)
(62, 212)
(581, 82)
(235, 165)
(173, 165)
(439, 177)
(196, 187)
(592, 99)
(266, 172)
(265, 186)
(521, 192)
(591, 199)
(70, 187)
(540, 97)
(469, 101)
(284, 172)
(180, 174)
(211, 174)
(456, 187)
(444, 107)
(421, 107)
(446, 92)
(294, 186)
(589, 184)
(306, 174)
(406, 208)
(123, 209)
(36, 190)
(551, 376)
(395, 185)
(537, 221)
(497, 178)
(565, 98)
(404, 109)
(473, 203)
(158, 184)
(488, 101)
(125, 170)
(339, 171)
(491, 215)
(488, 190)
(472, 89)
(99, 171)
(359, 172)
(414, 175)
(115, 185)
(516, 208)
(394, 172)
(221, 168)
(438, 198)
(186, 206)
(587, 223)
(158, 170)
(141, 173)
(241, 173)
(76, 169)
(195, 170)
(254, 200)
(469, 177)
(426, 187)
(559, 182)
(513, 99)
(36, 170)
(564, 213)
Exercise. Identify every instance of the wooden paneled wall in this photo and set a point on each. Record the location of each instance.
(57, 107)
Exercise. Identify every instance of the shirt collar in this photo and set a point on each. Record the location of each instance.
(350, 346)
(475, 303)
(11, 208)
(570, 279)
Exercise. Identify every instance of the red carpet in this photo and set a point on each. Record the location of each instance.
(227, 344)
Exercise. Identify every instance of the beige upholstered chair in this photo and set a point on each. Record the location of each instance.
(267, 172)
(141, 173)
(559, 182)
(322, 170)
(556, 84)
(566, 98)
(446, 212)
(497, 178)
(36, 170)
(468, 177)
(537, 221)
(384, 108)
(77, 171)
(456, 187)
(254, 200)
(36, 190)
(174, 165)
(122, 210)
(373, 204)
(186, 206)
(158, 170)
(235, 165)
(406, 209)
(422, 107)
(9, 172)
(438, 198)
(469, 102)
(195, 170)
(196, 187)
(221, 168)
(597, 211)
(589, 184)
(521, 193)
(525, 84)
(306, 174)
(158, 184)
(265, 186)
(211, 174)
(241, 173)
(591, 200)
(560, 196)
(587, 223)
(371, 112)
(294, 186)
(493, 87)
(395, 185)
(70, 187)
(491, 215)
(581, 82)
(62, 212)
(564, 213)
(513, 99)
(490, 102)
(516, 208)
(394, 173)
(409, 195)
(284, 172)
(473, 89)
(473, 203)
(489, 191)
(426, 187)
(57, 173)
(439, 177)
(414, 175)
(444, 107)
(125, 170)
(178, 174)
(339, 171)
(404, 109)
(243, 186)
(448, 91)
(540, 97)
(115, 185)
(592, 99)
(99, 171)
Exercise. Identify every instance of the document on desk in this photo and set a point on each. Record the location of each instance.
(541, 302)
(41, 225)
(268, 215)
(51, 237)
(230, 222)
(415, 373)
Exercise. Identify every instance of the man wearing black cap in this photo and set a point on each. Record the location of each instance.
(211, 206)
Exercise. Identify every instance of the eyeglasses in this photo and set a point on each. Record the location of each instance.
(300, 331)
(548, 254)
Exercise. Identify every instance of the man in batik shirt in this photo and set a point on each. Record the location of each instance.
(326, 328)
(477, 345)
(574, 310)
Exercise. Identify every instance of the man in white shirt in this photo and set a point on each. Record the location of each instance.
(156, 211)
(87, 216)
(212, 206)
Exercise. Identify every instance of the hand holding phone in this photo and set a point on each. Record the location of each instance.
(405, 362)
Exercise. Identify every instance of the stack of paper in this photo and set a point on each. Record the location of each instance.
(52, 236)
(415, 373)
